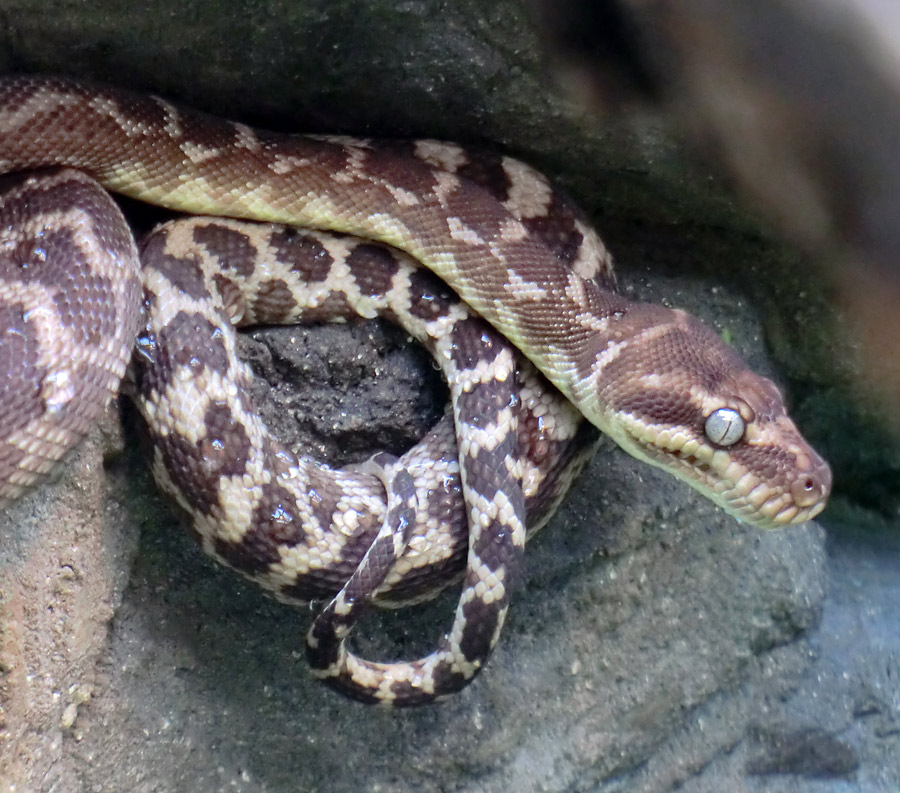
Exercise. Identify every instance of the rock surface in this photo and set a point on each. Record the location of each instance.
(657, 645)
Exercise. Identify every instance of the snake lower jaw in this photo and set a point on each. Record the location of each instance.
(777, 511)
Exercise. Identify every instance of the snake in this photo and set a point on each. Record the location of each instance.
(488, 264)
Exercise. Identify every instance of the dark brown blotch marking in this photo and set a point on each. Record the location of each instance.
(324, 497)
(496, 550)
(232, 248)
(231, 297)
(198, 467)
(273, 302)
(274, 525)
(87, 309)
(429, 296)
(191, 340)
(51, 257)
(225, 447)
(305, 255)
(383, 165)
(478, 211)
(568, 459)
(333, 306)
(313, 154)
(59, 189)
(317, 585)
(445, 679)
(662, 406)
(183, 272)
(481, 624)
(373, 267)
(557, 229)
(487, 171)
(692, 356)
(80, 296)
(770, 463)
(474, 341)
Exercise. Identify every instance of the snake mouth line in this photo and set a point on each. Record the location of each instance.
(740, 493)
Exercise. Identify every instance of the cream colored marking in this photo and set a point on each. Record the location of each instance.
(346, 522)
(484, 371)
(438, 329)
(354, 169)
(237, 505)
(172, 126)
(591, 322)
(529, 195)
(612, 351)
(462, 233)
(512, 230)
(403, 197)
(341, 607)
(706, 402)
(245, 138)
(39, 103)
(342, 631)
(284, 164)
(446, 185)
(132, 127)
(576, 291)
(347, 141)
(482, 512)
(485, 592)
(489, 436)
(520, 289)
(652, 380)
(385, 224)
(593, 257)
(446, 156)
(182, 408)
(198, 153)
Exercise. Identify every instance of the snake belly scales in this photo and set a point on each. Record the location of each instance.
(531, 296)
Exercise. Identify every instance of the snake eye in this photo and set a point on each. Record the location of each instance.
(724, 427)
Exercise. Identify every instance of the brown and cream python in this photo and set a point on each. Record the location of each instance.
(525, 269)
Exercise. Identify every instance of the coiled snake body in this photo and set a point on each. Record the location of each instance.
(663, 386)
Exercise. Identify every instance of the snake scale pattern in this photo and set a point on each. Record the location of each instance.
(531, 296)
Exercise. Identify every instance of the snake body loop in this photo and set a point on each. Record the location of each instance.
(250, 498)
(657, 381)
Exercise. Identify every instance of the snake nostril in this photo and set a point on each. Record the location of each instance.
(806, 491)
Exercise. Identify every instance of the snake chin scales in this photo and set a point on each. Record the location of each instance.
(477, 256)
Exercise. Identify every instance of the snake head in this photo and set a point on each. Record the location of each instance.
(678, 397)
